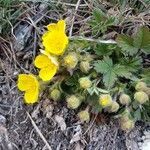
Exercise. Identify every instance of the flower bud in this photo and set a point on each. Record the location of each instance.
(85, 66)
(71, 60)
(126, 124)
(55, 94)
(140, 86)
(114, 107)
(73, 102)
(88, 58)
(141, 97)
(85, 82)
(84, 115)
(124, 99)
(105, 100)
(147, 91)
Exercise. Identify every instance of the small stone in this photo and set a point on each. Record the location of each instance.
(2, 120)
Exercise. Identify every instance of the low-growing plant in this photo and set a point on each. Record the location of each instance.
(103, 78)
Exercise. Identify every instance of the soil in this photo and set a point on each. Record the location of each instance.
(20, 134)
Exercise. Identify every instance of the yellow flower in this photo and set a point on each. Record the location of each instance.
(105, 100)
(48, 66)
(30, 85)
(55, 39)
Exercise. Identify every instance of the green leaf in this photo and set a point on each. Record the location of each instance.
(121, 71)
(111, 72)
(99, 15)
(126, 44)
(146, 75)
(109, 78)
(73, 80)
(96, 109)
(137, 114)
(104, 49)
(102, 66)
(93, 90)
(132, 64)
(100, 22)
(93, 101)
(142, 40)
(105, 67)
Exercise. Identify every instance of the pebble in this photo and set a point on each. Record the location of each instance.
(146, 141)
(2, 120)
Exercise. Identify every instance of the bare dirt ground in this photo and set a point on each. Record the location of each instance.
(47, 123)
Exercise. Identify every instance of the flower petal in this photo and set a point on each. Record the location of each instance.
(52, 58)
(31, 96)
(47, 73)
(52, 27)
(61, 25)
(55, 42)
(25, 82)
(42, 61)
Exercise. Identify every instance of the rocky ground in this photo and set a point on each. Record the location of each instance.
(21, 126)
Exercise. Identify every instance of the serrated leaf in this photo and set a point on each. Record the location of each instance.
(99, 15)
(109, 78)
(102, 66)
(105, 67)
(137, 114)
(146, 75)
(142, 40)
(103, 49)
(100, 21)
(132, 64)
(73, 80)
(126, 44)
(122, 71)
(111, 72)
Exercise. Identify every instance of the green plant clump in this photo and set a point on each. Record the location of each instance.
(107, 77)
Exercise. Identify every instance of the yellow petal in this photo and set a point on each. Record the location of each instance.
(61, 25)
(25, 82)
(52, 27)
(105, 100)
(52, 58)
(42, 61)
(47, 73)
(55, 42)
(31, 96)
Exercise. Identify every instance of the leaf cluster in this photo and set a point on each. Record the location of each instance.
(100, 22)
(124, 59)
(140, 41)
(120, 67)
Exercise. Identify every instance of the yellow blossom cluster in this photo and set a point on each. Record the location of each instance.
(55, 42)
